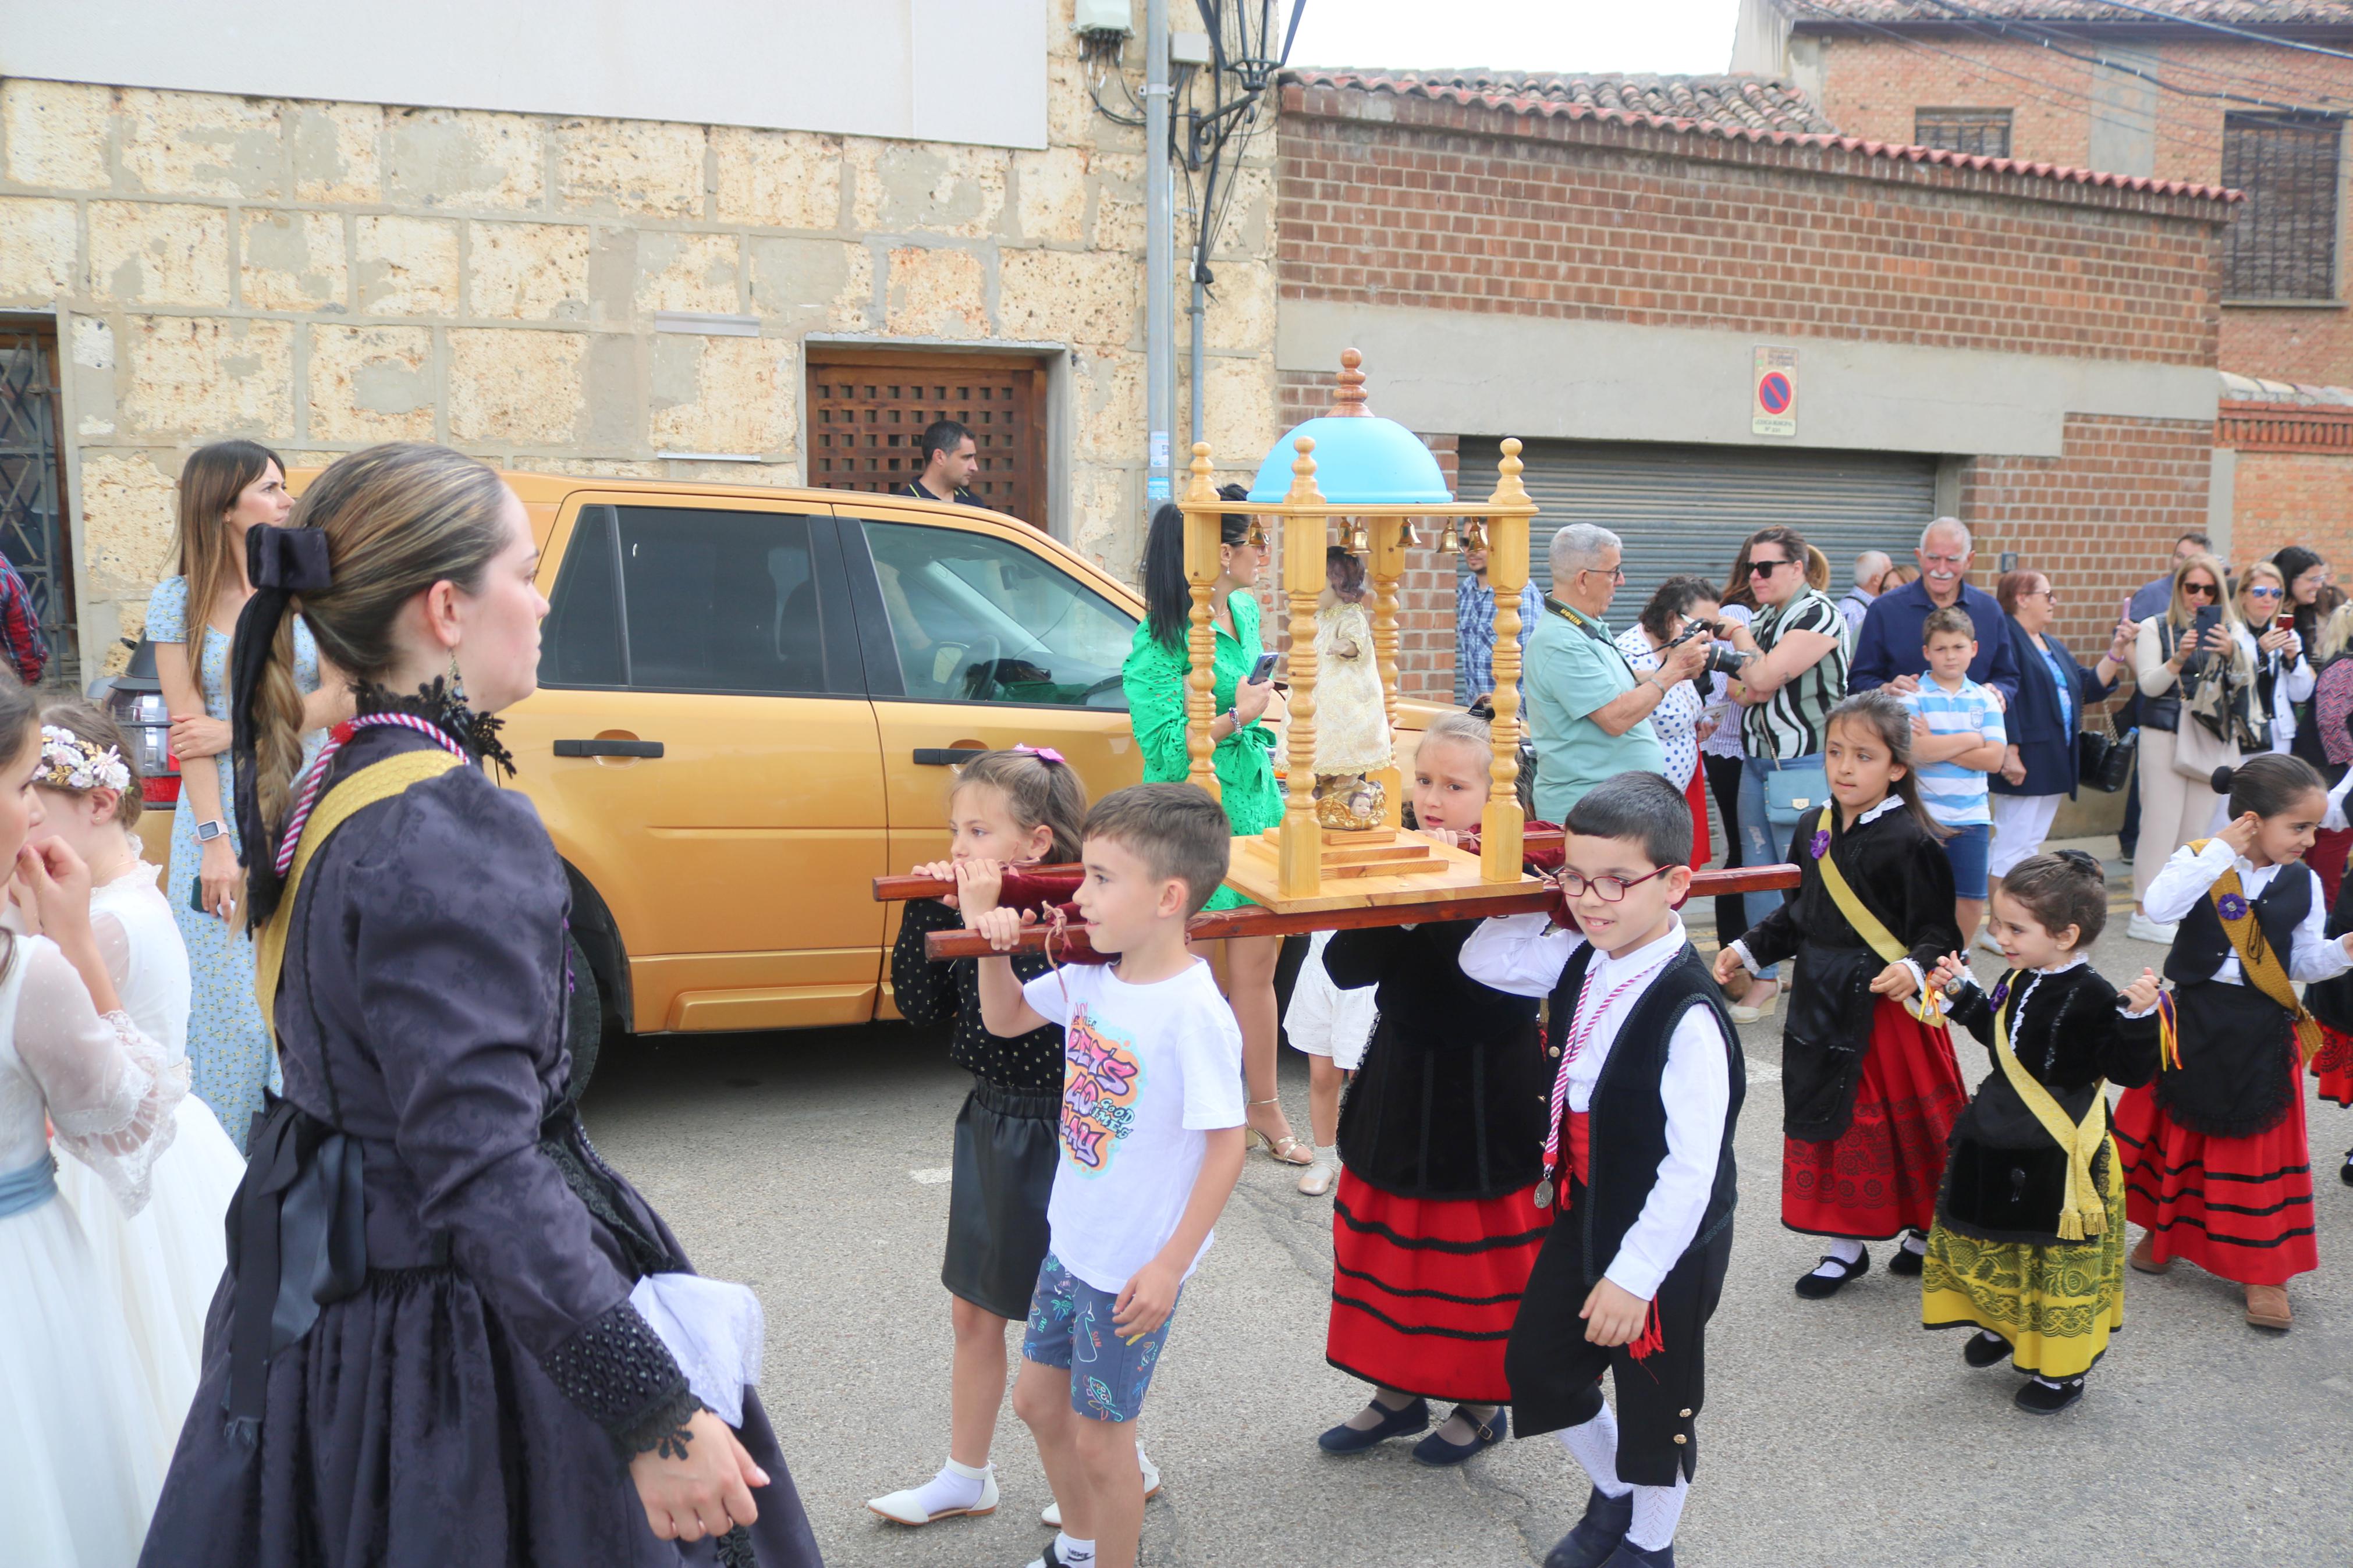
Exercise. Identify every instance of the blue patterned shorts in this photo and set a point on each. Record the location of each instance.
(1070, 1327)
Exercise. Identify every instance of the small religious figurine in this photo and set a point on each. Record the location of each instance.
(1351, 728)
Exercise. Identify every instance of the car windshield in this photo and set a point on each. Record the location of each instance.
(981, 619)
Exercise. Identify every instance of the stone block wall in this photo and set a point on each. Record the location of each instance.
(324, 276)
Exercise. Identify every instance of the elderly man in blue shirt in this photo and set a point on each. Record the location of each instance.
(1888, 652)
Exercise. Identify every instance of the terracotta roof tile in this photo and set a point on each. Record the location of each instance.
(2235, 13)
(1735, 107)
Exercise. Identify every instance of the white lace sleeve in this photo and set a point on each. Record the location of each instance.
(110, 1090)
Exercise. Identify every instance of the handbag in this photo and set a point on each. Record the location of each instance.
(2199, 745)
(2103, 759)
(1791, 792)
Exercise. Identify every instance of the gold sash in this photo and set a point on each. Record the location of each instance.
(2259, 963)
(2083, 1213)
(1928, 1007)
(377, 781)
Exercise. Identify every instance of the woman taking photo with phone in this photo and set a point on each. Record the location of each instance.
(2267, 635)
(2174, 656)
(1243, 755)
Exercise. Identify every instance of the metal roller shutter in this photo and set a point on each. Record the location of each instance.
(1686, 509)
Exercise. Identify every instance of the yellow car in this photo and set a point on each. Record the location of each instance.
(749, 702)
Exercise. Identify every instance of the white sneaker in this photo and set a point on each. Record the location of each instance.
(2140, 928)
(1051, 1516)
(907, 1507)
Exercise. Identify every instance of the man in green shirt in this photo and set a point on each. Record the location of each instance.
(1590, 713)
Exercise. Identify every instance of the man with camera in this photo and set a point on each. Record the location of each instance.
(1588, 711)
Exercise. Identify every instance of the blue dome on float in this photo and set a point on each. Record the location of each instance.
(1361, 459)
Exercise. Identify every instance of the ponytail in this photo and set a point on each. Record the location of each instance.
(372, 531)
(1168, 591)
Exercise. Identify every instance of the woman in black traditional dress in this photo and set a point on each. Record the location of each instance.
(429, 1348)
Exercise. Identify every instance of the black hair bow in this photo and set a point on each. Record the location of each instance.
(280, 562)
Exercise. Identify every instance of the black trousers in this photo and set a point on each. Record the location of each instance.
(1555, 1372)
(1724, 783)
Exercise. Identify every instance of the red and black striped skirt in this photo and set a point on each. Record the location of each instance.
(2237, 1207)
(1879, 1178)
(1424, 1289)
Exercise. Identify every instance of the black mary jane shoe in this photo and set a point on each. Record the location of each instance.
(1822, 1287)
(1484, 1435)
(1598, 1535)
(1908, 1263)
(1630, 1555)
(1346, 1439)
(2040, 1399)
(2345, 1172)
(1985, 1349)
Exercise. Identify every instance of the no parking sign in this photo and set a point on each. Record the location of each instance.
(1774, 408)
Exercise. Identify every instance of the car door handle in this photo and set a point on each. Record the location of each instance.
(608, 748)
(946, 756)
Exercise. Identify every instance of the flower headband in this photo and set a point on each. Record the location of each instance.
(67, 764)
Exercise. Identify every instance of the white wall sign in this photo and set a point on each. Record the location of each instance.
(1774, 390)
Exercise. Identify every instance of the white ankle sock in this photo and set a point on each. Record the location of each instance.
(1594, 1445)
(1915, 1244)
(1074, 1553)
(956, 1486)
(1845, 1251)
(1656, 1512)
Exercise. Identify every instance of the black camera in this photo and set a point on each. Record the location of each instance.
(1723, 661)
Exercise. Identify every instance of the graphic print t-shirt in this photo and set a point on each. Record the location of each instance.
(1147, 1071)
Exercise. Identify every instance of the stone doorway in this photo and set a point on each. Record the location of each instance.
(868, 409)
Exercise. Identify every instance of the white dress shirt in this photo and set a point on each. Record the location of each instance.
(1524, 955)
(2187, 878)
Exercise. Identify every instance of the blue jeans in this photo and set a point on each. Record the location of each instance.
(1762, 844)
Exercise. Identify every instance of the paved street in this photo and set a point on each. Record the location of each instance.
(814, 1167)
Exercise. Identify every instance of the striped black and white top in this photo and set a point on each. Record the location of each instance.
(1789, 724)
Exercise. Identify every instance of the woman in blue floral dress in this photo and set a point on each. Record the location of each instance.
(225, 490)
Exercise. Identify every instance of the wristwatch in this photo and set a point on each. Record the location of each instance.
(208, 831)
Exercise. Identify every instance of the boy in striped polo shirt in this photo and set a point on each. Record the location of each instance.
(1956, 740)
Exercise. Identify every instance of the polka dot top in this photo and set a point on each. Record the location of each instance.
(931, 993)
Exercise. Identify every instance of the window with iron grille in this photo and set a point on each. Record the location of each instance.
(1980, 133)
(2283, 244)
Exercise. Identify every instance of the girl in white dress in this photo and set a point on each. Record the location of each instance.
(163, 1263)
(80, 1440)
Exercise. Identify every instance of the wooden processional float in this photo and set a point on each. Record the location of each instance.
(1342, 861)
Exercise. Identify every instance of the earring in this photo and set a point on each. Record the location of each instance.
(457, 680)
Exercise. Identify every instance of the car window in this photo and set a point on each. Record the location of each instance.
(980, 619)
(682, 599)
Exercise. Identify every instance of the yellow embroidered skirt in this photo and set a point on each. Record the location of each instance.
(2056, 1305)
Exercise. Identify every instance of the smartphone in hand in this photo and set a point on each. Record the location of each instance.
(1263, 669)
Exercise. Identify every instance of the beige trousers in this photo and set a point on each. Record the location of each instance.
(2173, 810)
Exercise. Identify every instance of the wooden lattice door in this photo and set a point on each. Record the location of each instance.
(868, 411)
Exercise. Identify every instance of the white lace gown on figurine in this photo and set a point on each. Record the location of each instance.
(82, 1444)
(165, 1262)
(1352, 722)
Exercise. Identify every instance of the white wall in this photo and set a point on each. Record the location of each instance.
(935, 70)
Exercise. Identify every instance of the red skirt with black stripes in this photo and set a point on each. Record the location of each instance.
(2237, 1207)
(1424, 1289)
(1879, 1178)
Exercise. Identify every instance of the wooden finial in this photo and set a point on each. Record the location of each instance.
(1302, 473)
(1200, 491)
(1348, 390)
(1509, 491)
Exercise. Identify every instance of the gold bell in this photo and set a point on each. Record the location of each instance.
(1447, 540)
(1257, 536)
(1475, 536)
(1359, 541)
(1406, 536)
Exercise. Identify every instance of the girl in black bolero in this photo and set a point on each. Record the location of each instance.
(2001, 1259)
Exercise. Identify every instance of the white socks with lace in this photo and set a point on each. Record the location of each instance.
(955, 1487)
(1595, 1446)
(1657, 1509)
(1842, 1251)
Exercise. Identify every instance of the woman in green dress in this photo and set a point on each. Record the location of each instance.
(1154, 677)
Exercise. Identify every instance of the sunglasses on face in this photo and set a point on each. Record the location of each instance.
(2262, 593)
(2198, 590)
(1767, 568)
(1608, 889)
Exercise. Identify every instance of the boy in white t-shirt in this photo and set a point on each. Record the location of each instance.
(1152, 1146)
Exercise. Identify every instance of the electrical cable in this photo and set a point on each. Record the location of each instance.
(2234, 32)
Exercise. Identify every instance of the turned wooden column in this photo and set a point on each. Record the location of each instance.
(1301, 839)
(1201, 527)
(1502, 824)
(1388, 566)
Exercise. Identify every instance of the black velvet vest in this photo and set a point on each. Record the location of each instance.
(1628, 1115)
(2200, 944)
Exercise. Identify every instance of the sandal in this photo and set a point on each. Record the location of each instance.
(1286, 1149)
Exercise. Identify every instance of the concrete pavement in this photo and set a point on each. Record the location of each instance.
(813, 1167)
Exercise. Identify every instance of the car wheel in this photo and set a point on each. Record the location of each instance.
(584, 1018)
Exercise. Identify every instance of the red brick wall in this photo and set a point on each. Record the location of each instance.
(2100, 518)
(1396, 200)
(2293, 497)
(1872, 83)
